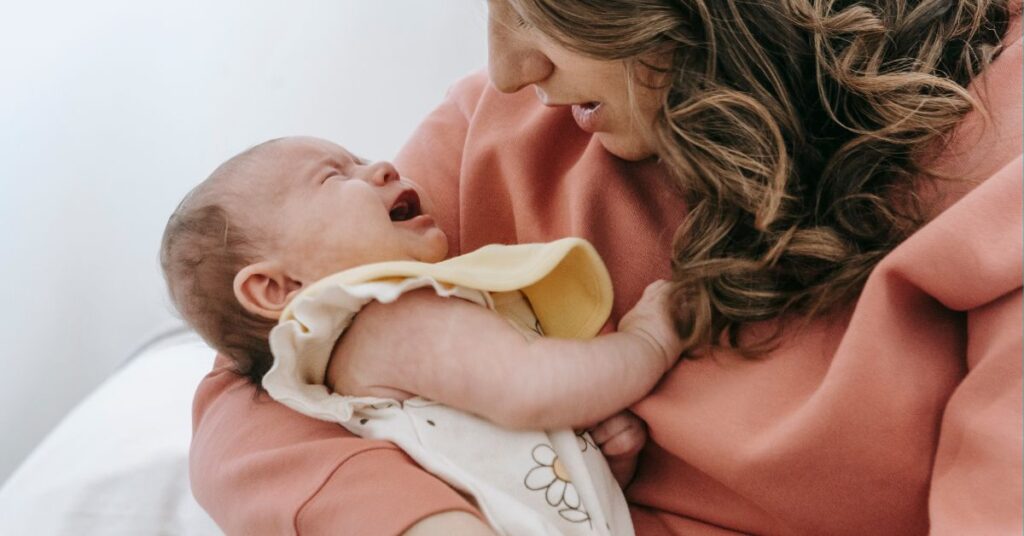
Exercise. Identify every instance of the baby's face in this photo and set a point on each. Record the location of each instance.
(329, 210)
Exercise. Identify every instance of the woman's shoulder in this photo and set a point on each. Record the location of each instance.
(467, 91)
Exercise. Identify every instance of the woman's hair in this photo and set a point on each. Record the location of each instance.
(204, 246)
(793, 129)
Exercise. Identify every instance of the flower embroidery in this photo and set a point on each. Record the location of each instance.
(584, 440)
(551, 476)
(576, 515)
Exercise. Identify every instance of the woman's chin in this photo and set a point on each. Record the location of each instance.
(625, 147)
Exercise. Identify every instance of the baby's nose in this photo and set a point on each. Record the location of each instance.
(379, 173)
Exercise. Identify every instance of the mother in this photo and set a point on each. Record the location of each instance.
(843, 225)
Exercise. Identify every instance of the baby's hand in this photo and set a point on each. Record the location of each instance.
(650, 319)
(621, 437)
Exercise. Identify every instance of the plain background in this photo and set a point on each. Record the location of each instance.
(111, 110)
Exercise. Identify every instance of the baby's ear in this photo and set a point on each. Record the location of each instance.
(264, 289)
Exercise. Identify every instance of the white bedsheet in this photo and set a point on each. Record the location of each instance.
(118, 463)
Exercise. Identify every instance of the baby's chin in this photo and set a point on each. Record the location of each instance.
(438, 245)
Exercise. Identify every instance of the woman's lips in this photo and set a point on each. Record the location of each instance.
(588, 116)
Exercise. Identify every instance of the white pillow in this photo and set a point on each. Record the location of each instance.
(118, 463)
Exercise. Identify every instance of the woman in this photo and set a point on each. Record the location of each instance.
(844, 377)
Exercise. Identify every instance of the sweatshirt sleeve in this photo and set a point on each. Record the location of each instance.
(976, 480)
(258, 467)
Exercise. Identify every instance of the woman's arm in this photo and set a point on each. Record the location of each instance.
(260, 468)
(470, 358)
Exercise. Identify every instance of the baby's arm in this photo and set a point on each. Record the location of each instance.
(446, 523)
(469, 357)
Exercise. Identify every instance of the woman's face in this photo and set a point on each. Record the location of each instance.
(596, 91)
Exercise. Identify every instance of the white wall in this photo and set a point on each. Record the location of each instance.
(110, 110)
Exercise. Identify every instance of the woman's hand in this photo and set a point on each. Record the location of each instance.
(650, 320)
(621, 437)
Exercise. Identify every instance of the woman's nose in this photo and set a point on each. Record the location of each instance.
(513, 61)
(379, 173)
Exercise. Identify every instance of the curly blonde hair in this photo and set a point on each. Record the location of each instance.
(794, 129)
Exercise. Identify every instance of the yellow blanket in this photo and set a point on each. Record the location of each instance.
(565, 281)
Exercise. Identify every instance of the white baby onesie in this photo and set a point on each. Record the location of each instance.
(525, 482)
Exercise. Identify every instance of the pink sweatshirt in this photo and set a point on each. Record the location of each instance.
(900, 416)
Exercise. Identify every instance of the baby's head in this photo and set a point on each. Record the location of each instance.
(274, 219)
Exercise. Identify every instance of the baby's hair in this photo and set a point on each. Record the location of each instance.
(204, 246)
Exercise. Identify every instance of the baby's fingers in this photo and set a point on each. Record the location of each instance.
(622, 434)
(627, 443)
(658, 290)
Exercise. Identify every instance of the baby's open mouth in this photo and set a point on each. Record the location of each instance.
(406, 206)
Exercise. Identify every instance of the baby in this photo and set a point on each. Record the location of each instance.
(284, 244)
